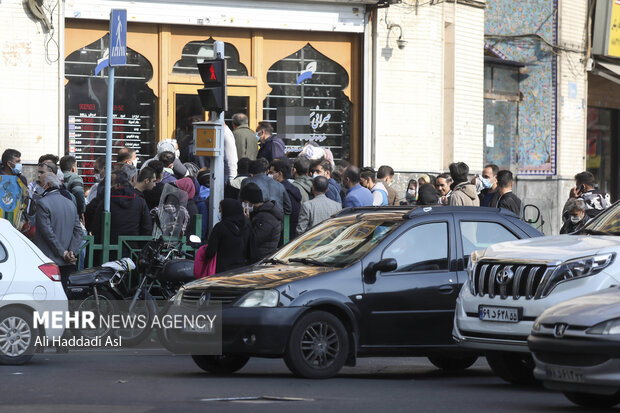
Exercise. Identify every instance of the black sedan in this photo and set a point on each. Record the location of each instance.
(367, 282)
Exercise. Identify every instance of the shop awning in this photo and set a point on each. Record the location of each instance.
(609, 71)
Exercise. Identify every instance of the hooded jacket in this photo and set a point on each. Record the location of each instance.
(304, 183)
(267, 228)
(129, 215)
(231, 238)
(464, 194)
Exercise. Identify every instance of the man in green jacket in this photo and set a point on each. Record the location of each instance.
(245, 139)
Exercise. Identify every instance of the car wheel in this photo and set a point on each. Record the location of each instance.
(17, 336)
(596, 401)
(515, 368)
(453, 362)
(318, 346)
(225, 364)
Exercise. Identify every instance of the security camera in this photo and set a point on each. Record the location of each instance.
(401, 43)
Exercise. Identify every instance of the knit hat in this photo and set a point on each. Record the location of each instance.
(187, 185)
(426, 178)
(251, 193)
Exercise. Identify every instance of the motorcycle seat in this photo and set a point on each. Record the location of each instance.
(90, 276)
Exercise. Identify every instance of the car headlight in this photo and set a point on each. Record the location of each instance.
(471, 266)
(259, 298)
(579, 268)
(608, 327)
(176, 299)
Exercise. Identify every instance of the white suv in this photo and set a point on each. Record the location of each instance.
(29, 282)
(510, 284)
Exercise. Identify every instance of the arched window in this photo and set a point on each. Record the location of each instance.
(307, 94)
(198, 51)
(86, 96)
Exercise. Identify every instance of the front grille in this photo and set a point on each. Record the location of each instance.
(508, 280)
(190, 297)
(571, 359)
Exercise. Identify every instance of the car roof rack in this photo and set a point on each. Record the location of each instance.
(371, 209)
(410, 211)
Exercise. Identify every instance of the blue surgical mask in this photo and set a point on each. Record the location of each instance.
(486, 183)
(257, 136)
(219, 217)
(17, 169)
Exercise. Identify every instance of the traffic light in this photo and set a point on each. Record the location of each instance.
(213, 95)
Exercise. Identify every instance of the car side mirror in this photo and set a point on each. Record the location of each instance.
(194, 241)
(385, 265)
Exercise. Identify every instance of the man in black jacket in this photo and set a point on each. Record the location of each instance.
(266, 220)
(504, 198)
(129, 214)
(280, 170)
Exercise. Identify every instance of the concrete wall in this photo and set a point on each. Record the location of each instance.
(429, 95)
(28, 80)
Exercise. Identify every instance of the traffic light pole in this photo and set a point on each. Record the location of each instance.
(217, 162)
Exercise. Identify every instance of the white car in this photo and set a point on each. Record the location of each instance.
(29, 282)
(510, 284)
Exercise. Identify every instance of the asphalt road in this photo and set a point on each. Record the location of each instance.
(118, 383)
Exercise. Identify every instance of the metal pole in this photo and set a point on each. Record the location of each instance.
(108, 165)
(217, 162)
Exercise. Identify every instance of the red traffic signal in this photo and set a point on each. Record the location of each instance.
(213, 72)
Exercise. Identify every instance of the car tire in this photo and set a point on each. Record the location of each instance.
(224, 364)
(515, 368)
(593, 401)
(318, 346)
(453, 362)
(17, 336)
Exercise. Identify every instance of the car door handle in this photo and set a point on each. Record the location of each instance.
(0, 275)
(446, 289)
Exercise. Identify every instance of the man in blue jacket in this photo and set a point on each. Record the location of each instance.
(357, 195)
(271, 147)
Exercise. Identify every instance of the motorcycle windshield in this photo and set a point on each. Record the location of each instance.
(172, 215)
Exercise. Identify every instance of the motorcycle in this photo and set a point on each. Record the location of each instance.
(163, 269)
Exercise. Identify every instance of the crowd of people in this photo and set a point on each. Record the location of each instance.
(263, 185)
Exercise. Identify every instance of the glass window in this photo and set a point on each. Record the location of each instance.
(3, 254)
(198, 51)
(307, 102)
(422, 248)
(479, 235)
(86, 97)
(337, 243)
(608, 221)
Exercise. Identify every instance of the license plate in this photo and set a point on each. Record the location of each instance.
(504, 314)
(561, 374)
(201, 329)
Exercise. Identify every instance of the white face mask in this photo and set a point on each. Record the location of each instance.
(177, 153)
(135, 162)
(272, 176)
(314, 175)
(575, 219)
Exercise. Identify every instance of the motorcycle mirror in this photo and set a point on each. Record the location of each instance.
(194, 241)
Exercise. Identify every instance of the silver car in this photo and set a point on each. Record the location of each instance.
(576, 347)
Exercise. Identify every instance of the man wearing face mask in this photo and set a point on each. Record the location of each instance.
(12, 164)
(128, 156)
(489, 184)
(271, 147)
(576, 213)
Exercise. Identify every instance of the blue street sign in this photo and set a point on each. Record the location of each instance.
(118, 37)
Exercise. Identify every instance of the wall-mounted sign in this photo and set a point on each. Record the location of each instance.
(606, 39)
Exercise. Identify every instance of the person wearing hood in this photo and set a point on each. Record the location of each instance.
(280, 171)
(231, 240)
(266, 220)
(231, 189)
(302, 180)
(463, 192)
(427, 195)
(188, 186)
(170, 145)
(129, 214)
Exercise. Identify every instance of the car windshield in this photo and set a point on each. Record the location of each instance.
(607, 223)
(336, 242)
